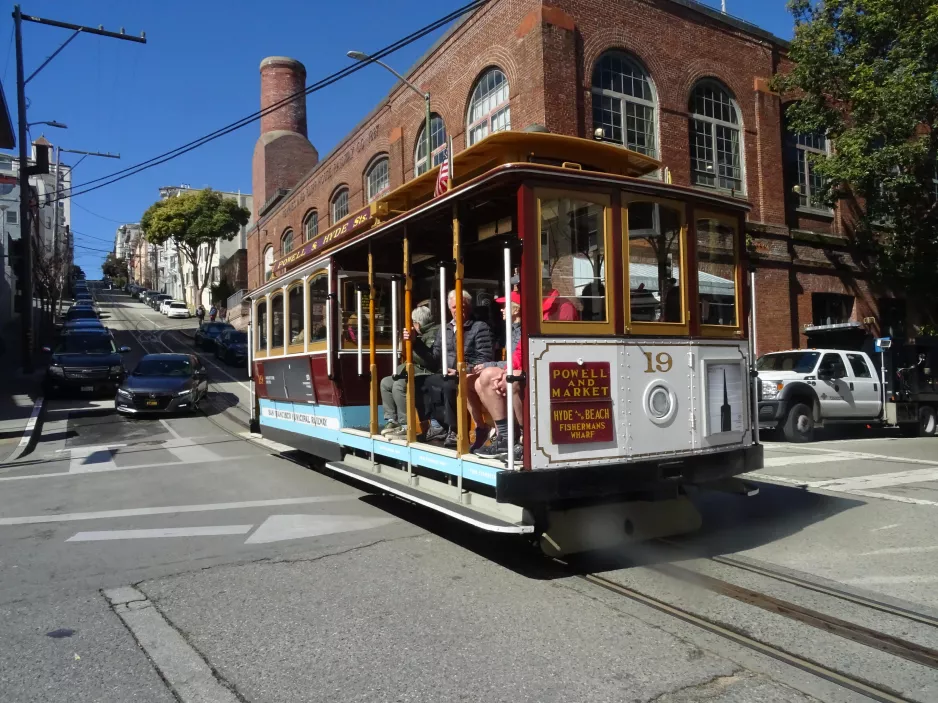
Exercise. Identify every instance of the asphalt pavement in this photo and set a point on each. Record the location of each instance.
(180, 558)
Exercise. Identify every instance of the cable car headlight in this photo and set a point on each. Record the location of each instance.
(660, 403)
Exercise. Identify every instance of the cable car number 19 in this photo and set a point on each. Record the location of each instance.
(662, 362)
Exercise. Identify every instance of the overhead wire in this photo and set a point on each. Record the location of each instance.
(90, 236)
(82, 207)
(116, 176)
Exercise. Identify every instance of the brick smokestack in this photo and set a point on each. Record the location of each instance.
(283, 153)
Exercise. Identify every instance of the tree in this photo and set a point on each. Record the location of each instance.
(114, 267)
(195, 222)
(866, 73)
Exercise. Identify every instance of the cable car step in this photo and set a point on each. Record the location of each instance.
(454, 510)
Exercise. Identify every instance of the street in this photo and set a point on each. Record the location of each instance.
(286, 584)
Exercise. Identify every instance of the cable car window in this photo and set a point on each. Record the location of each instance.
(348, 306)
(716, 271)
(262, 326)
(656, 285)
(276, 315)
(296, 315)
(318, 292)
(573, 261)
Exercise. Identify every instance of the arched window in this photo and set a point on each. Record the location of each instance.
(261, 336)
(624, 103)
(311, 225)
(489, 111)
(286, 242)
(276, 323)
(295, 328)
(268, 262)
(715, 153)
(377, 179)
(339, 205)
(437, 145)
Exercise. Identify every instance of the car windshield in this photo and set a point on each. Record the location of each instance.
(85, 344)
(799, 362)
(177, 305)
(164, 367)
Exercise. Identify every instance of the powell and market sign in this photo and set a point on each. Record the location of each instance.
(317, 245)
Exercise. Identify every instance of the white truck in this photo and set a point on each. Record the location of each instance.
(803, 389)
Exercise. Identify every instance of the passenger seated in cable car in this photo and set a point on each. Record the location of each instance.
(441, 389)
(394, 392)
(491, 390)
(555, 307)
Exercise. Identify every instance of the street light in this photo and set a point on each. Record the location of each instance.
(361, 56)
(51, 123)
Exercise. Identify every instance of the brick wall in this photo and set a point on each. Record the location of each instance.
(548, 51)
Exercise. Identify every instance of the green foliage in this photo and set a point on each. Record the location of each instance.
(114, 267)
(866, 73)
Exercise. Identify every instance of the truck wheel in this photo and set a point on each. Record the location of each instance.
(799, 425)
(927, 423)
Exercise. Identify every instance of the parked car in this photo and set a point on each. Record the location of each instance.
(85, 324)
(80, 313)
(163, 383)
(803, 389)
(158, 299)
(208, 332)
(232, 347)
(177, 309)
(164, 305)
(85, 361)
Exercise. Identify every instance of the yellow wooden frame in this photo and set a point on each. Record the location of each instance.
(578, 327)
(277, 350)
(316, 345)
(722, 331)
(299, 347)
(258, 349)
(644, 327)
(343, 344)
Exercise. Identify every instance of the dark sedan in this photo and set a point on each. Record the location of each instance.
(232, 347)
(163, 383)
(85, 361)
(208, 332)
(80, 313)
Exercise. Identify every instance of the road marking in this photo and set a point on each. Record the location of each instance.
(863, 483)
(29, 430)
(900, 550)
(800, 459)
(169, 429)
(885, 527)
(159, 532)
(809, 485)
(108, 468)
(184, 670)
(878, 457)
(890, 496)
(171, 509)
(277, 528)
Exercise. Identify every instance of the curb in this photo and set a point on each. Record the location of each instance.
(33, 429)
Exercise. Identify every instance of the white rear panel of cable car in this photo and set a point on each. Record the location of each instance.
(598, 401)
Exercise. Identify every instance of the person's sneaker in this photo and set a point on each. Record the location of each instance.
(496, 450)
(451, 440)
(399, 433)
(519, 453)
(434, 433)
(482, 436)
(390, 427)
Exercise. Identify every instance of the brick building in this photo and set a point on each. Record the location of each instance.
(671, 78)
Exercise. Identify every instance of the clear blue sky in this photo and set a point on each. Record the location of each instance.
(199, 72)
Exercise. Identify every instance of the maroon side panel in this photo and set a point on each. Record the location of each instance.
(326, 392)
(260, 387)
(350, 388)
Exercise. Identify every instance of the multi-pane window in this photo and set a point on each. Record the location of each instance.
(716, 272)
(655, 265)
(311, 225)
(276, 326)
(268, 262)
(715, 142)
(437, 145)
(286, 243)
(318, 299)
(489, 111)
(12, 217)
(624, 103)
(262, 325)
(340, 205)
(377, 180)
(810, 183)
(295, 300)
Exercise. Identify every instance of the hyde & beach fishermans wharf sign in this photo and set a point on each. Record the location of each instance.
(318, 245)
(580, 402)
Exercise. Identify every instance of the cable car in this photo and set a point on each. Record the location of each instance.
(623, 360)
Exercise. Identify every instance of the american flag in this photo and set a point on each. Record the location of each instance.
(442, 178)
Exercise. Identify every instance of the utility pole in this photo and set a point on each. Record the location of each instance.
(24, 173)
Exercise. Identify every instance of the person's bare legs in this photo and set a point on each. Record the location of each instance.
(493, 401)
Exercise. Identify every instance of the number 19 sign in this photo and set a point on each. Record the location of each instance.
(580, 402)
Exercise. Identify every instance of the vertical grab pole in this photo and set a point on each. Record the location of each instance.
(394, 330)
(509, 369)
(412, 418)
(250, 358)
(358, 316)
(462, 424)
(372, 350)
(753, 378)
(329, 320)
(443, 350)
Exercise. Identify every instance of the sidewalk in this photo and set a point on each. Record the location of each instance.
(20, 395)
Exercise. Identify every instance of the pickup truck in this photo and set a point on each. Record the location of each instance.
(803, 389)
